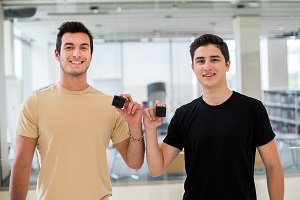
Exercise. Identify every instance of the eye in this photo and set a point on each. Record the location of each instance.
(215, 60)
(200, 61)
(84, 48)
(68, 47)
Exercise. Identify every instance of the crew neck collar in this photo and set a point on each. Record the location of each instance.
(72, 91)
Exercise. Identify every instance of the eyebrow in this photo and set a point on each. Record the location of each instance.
(70, 43)
(201, 57)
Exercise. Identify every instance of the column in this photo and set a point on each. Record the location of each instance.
(246, 35)
(277, 63)
(9, 48)
(3, 138)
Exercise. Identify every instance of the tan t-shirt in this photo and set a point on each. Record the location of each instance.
(73, 131)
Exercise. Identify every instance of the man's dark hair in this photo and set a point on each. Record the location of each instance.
(72, 27)
(208, 39)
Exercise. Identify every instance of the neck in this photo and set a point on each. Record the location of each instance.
(74, 83)
(216, 97)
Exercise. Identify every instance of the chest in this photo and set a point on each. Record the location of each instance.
(221, 127)
(75, 118)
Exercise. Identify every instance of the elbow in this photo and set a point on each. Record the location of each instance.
(155, 173)
(137, 165)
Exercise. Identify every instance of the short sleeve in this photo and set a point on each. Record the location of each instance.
(120, 130)
(28, 120)
(174, 135)
(263, 129)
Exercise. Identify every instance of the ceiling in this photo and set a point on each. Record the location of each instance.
(133, 20)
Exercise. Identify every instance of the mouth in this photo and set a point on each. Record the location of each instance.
(209, 75)
(76, 62)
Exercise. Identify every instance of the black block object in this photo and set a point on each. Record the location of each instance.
(160, 111)
(118, 101)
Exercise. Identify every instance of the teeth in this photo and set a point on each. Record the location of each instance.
(76, 62)
(208, 75)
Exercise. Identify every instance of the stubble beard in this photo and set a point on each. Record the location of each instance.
(73, 74)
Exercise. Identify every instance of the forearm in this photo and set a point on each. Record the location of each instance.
(136, 147)
(154, 155)
(19, 183)
(275, 180)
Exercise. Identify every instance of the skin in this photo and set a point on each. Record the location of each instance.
(210, 68)
(74, 59)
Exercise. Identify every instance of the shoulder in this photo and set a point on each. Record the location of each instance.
(99, 94)
(247, 102)
(55, 88)
(245, 99)
(189, 107)
(39, 92)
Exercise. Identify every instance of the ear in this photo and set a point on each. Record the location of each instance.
(56, 54)
(228, 65)
(192, 66)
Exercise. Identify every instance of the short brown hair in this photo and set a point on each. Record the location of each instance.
(72, 27)
(207, 39)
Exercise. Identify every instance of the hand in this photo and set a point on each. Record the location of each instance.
(150, 119)
(132, 111)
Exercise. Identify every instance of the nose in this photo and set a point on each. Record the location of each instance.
(207, 65)
(76, 53)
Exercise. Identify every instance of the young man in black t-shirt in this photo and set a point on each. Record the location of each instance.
(219, 132)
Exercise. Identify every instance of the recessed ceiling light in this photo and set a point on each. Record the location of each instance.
(253, 4)
(95, 9)
(119, 9)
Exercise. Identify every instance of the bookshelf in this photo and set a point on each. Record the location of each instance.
(283, 107)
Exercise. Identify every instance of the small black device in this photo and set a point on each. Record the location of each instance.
(160, 111)
(118, 101)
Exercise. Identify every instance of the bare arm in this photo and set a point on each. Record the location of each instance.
(132, 150)
(20, 173)
(159, 158)
(275, 177)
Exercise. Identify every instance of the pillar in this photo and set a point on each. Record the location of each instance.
(277, 63)
(3, 131)
(246, 35)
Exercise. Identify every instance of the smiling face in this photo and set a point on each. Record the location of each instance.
(75, 55)
(210, 67)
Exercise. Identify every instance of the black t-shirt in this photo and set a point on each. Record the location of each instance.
(219, 144)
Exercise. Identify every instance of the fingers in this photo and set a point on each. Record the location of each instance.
(150, 113)
(157, 103)
(133, 107)
(130, 106)
(127, 97)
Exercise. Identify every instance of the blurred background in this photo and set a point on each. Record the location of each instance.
(141, 47)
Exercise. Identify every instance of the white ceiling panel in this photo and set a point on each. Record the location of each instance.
(133, 20)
